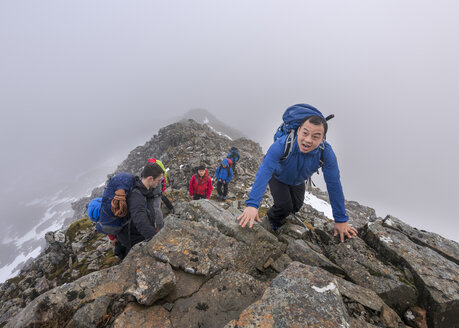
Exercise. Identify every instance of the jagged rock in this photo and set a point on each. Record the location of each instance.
(59, 305)
(436, 277)
(197, 248)
(293, 230)
(389, 318)
(9, 309)
(91, 314)
(42, 285)
(299, 251)
(416, 317)
(218, 301)
(136, 315)
(361, 264)
(93, 266)
(78, 247)
(262, 244)
(186, 285)
(300, 296)
(203, 242)
(447, 248)
(281, 263)
(154, 280)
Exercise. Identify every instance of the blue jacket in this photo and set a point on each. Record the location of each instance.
(296, 169)
(234, 156)
(226, 174)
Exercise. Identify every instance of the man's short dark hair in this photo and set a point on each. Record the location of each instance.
(316, 120)
(152, 170)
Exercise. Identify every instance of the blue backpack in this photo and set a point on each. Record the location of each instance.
(93, 210)
(292, 118)
(108, 223)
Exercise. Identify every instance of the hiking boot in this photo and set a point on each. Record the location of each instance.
(218, 196)
(224, 198)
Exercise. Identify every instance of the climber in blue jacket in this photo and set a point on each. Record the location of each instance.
(286, 177)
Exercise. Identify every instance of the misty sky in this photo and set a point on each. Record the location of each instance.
(84, 82)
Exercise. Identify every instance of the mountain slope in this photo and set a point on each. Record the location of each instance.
(203, 270)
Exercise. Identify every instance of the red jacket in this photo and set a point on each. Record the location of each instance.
(200, 185)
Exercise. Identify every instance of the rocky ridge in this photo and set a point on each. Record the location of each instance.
(203, 270)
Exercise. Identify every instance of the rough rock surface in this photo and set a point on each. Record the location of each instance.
(203, 270)
(300, 296)
(436, 277)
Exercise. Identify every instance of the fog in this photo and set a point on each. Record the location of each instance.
(82, 83)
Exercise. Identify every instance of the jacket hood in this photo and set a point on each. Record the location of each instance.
(225, 162)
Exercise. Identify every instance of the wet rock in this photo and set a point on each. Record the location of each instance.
(262, 244)
(447, 248)
(91, 314)
(281, 263)
(436, 277)
(219, 300)
(300, 296)
(42, 285)
(293, 230)
(299, 251)
(416, 317)
(136, 315)
(362, 265)
(197, 248)
(186, 285)
(154, 280)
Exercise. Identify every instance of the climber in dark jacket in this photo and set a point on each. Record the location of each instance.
(141, 223)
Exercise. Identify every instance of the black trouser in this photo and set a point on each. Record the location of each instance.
(126, 238)
(167, 202)
(287, 199)
(198, 196)
(219, 188)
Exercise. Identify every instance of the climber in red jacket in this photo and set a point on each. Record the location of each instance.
(200, 184)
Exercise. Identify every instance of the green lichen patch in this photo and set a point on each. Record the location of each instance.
(109, 260)
(76, 227)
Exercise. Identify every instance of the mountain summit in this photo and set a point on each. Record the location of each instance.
(203, 270)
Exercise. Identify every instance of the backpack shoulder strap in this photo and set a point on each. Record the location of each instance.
(288, 145)
(322, 149)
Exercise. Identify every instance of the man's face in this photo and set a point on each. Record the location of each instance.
(309, 136)
(201, 172)
(154, 182)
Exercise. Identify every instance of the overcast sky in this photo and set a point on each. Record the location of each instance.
(83, 82)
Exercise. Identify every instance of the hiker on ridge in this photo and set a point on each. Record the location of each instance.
(161, 189)
(286, 169)
(200, 184)
(141, 225)
(234, 156)
(224, 175)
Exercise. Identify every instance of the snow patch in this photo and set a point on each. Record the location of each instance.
(218, 132)
(409, 315)
(319, 204)
(330, 286)
(6, 272)
(181, 165)
(385, 239)
(389, 222)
